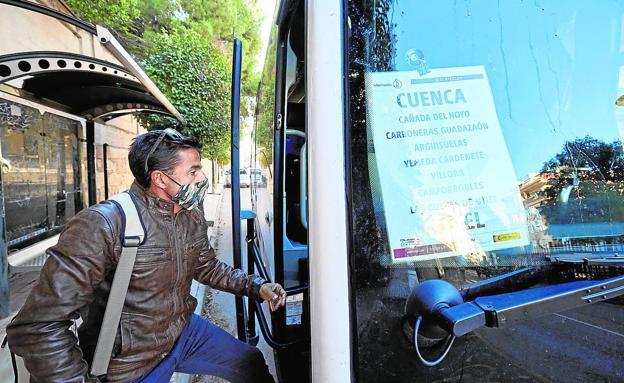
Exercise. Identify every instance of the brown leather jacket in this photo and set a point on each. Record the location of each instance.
(76, 279)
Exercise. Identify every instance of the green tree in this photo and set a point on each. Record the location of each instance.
(195, 76)
(185, 47)
(118, 15)
(225, 20)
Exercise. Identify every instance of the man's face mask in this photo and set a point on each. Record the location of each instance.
(189, 196)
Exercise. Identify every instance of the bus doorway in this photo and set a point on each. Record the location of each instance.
(277, 238)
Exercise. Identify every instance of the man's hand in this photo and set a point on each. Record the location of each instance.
(273, 293)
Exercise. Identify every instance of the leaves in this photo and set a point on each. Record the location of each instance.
(184, 47)
(591, 171)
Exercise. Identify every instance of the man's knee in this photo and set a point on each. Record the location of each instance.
(255, 367)
(253, 356)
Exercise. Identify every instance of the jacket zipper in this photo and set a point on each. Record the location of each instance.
(178, 264)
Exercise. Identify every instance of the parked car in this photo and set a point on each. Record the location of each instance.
(244, 178)
(228, 178)
(257, 177)
(245, 181)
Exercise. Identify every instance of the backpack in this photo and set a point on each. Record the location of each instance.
(133, 236)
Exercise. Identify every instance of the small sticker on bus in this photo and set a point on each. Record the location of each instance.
(294, 309)
(507, 236)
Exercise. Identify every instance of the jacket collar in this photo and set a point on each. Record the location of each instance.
(150, 200)
(161, 206)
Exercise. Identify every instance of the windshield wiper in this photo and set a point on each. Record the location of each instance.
(507, 298)
(614, 259)
(501, 309)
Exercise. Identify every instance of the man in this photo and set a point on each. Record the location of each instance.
(158, 333)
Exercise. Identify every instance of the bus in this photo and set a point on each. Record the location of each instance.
(444, 196)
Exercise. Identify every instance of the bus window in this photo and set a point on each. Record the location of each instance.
(485, 137)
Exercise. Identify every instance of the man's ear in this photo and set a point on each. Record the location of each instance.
(157, 179)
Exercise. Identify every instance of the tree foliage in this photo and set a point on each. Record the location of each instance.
(185, 48)
(593, 172)
(225, 20)
(118, 15)
(195, 76)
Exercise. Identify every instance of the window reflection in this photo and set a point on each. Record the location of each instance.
(564, 146)
(41, 172)
(555, 74)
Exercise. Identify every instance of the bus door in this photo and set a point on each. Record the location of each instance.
(486, 185)
(277, 239)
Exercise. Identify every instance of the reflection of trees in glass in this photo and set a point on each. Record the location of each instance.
(371, 48)
(587, 183)
(266, 105)
(41, 174)
(598, 159)
(382, 39)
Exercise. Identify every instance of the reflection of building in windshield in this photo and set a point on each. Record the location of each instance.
(575, 203)
(594, 236)
(533, 191)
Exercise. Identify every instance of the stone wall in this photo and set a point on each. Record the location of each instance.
(118, 134)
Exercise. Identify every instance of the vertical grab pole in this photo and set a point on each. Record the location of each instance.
(91, 162)
(252, 337)
(105, 163)
(235, 160)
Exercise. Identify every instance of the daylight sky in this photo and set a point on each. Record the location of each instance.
(553, 67)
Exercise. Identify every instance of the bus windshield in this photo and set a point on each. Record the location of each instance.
(484, 137)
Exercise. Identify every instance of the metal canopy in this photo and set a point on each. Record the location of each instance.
(18, 65)
(91, 88)
(87, 86)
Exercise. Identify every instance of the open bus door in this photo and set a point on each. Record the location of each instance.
(445, 191)
(276, 235)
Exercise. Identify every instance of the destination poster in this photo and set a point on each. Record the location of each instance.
(447, 182)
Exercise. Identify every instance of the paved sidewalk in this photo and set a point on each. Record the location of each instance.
(212, 209)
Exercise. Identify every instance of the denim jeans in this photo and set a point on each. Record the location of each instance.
(205, 349)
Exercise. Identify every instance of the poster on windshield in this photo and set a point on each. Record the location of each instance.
(446, 179)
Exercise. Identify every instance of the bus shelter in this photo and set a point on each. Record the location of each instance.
(62, 80)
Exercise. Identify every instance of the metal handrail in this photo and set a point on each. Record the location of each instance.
(255, 308)
(303, 177)
(266, 333)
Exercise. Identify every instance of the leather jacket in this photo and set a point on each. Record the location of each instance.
(76, 279)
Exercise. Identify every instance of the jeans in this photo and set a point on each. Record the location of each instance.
(206, 349)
